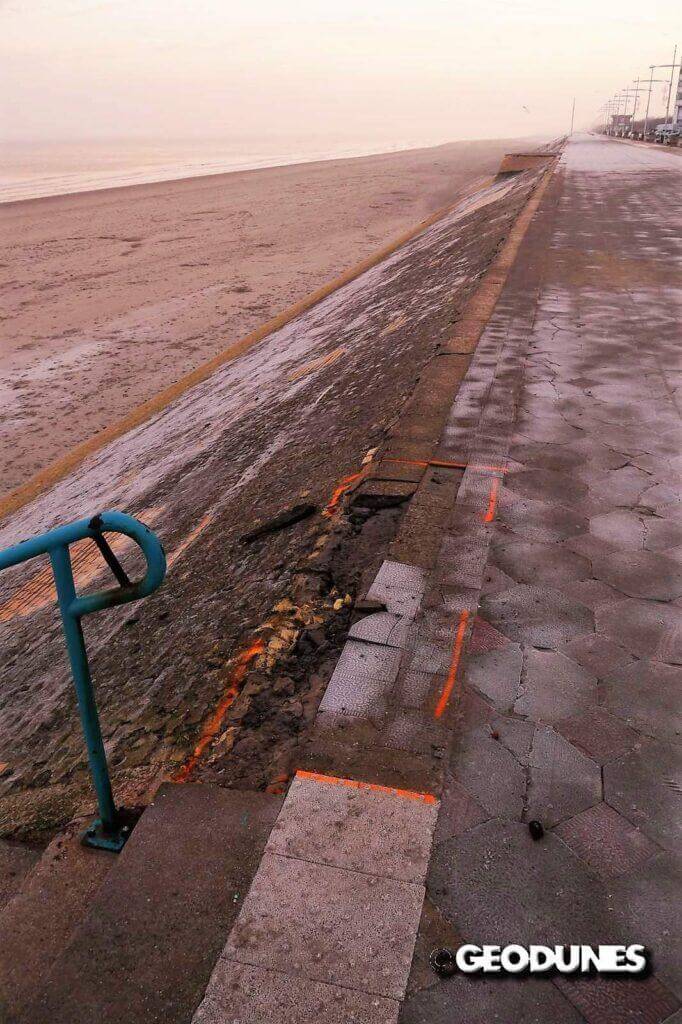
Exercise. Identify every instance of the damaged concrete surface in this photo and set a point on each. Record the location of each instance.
(280, 426)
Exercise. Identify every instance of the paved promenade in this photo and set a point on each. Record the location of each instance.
(527, 667)
(570, 705)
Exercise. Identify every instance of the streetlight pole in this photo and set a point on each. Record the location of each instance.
(649, 91)
(673, 66)
(672, 78)
(572, 115)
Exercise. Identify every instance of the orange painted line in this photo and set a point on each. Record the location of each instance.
(492, 501)
(339, 492)
(334, 780)
(454, 665)
(316, 364)
(212, 726)
(190, 538)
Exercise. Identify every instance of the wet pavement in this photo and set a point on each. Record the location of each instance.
(281, 424)
(523, 669)
(569, 708)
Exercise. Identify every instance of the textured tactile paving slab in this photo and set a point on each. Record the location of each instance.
(328, 927)
(368, 829)
(369, 663)
(363, 677)
(241, 994)
(329, 924)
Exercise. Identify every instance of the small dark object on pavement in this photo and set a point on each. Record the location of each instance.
(278, 522)
(536, 829)
(443, 962)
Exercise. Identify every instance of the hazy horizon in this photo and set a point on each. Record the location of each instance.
(82, 70)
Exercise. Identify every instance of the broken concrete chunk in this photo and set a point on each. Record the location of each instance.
(286, 518)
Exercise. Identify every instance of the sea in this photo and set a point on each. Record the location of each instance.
(29, 170)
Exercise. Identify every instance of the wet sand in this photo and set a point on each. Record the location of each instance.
(110, 296)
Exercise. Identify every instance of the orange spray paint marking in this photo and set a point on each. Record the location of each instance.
(190, 538)
(334, 780)
(212, 726)
(340, 491)
(316, 364)
(454, 665)
(492, 501)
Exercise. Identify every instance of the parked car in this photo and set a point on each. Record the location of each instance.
(666, 132)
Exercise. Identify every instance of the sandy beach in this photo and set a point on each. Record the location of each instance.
(110, 296)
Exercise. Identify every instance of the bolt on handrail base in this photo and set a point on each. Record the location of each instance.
(105, 837)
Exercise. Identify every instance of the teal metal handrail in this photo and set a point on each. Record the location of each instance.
(110, 830)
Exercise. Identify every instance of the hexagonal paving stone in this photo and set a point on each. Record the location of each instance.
(616, 1000)
(563, 780)
(660, 497)
(622, 528)
(500, 886)
(490, 773)
(591, 593)
(602, 736)
(652, 897)
(646, 695)
(496, 674)
(551, 429)
(546, 456)
(605, 840)
(553, 687)
(640, 574)
(598, 654)
(646, 628)
(545, 484)
(485, 637)
(621, 486)
(495, 581)
(540, 563)
(540, 616)
(538, 520)
(481, 1000)
(642, 785)
(661, 534)
(458, 813)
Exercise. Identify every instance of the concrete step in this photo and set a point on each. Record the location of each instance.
(40, 919)
(16, 861)
(147, 945)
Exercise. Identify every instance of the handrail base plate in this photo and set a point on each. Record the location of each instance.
(100, 838)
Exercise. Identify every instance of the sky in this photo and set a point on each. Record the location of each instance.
(391, 70)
